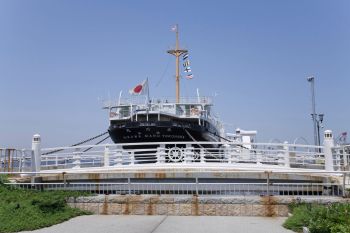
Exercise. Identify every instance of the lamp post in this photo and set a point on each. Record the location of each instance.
(316, 118)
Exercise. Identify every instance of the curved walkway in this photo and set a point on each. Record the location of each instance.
(168, 224)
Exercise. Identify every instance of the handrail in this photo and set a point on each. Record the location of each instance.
(72, 172)
(183, 143)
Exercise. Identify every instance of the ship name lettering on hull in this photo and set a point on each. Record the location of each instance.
(137, 136)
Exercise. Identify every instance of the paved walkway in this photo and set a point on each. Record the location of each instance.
(168, 224)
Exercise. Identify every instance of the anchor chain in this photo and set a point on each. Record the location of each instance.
(80, 143)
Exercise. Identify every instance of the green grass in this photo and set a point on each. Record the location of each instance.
(332, 218)
(29, 209)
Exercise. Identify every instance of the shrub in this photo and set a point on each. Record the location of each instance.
(333, 218)
(301, 217)
(29, 209)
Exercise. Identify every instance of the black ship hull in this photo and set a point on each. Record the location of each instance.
(160, 131)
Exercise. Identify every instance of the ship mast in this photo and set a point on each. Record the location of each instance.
(177, 52)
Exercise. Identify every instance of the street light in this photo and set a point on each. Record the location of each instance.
(316, 118)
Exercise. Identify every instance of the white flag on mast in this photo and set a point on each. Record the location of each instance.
(174, 28)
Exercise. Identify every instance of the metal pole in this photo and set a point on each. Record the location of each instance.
(312, 82)
(318, 134)
(177, 66)
(177, 52)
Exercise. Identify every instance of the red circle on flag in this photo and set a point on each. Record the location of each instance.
(138, 89)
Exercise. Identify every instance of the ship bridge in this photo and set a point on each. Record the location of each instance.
(141, 109)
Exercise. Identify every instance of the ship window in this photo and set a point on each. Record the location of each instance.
(187, 110)
(168, 107)
(180, 110)
(196, 110)
(207, 110)
(124, 111)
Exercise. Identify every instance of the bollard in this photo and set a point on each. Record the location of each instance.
(328, 143)
(36, 153)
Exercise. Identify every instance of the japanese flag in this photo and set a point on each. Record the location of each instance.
(140, 89)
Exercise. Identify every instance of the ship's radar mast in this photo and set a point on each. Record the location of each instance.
(177, 52)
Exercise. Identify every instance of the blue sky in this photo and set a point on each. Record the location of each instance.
(57, 58)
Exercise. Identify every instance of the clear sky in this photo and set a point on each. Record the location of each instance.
(57, 58)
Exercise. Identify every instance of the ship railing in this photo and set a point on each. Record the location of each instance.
(256, 183)
(198, 153)
(142, 100)
(133, 111)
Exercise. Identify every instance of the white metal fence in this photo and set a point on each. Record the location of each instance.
(13, 160)
(260, 183)
(221, 189)
(287, 155)
(281, 155)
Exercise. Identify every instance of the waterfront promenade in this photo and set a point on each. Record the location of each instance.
(168, 224)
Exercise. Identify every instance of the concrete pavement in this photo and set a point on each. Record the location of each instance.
(168, 224)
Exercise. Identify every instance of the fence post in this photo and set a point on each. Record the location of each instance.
(328, 143)
(106, 157)
(202, 155)
(64, 180)
(268, 183)
(36, 153)
(129, 186)
(22, 160)
(118, 156)
(76, 158)
(344, 185)
(259, 158)
(161, 154)
(197, 186)
(189, 154)
(132, 158)
(345, 157)
(286, 154)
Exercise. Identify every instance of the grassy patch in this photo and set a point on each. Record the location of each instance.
(333, 218)
(29, 209)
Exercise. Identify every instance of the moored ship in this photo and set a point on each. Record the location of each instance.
(189, 119)
(141, 119)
